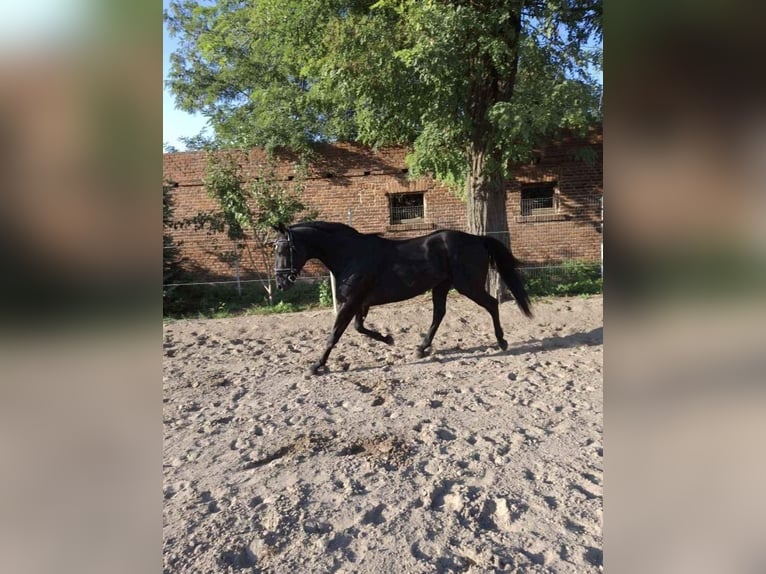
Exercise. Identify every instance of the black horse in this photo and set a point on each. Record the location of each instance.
(370, 270)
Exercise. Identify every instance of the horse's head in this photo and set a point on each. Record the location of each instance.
(288, 257)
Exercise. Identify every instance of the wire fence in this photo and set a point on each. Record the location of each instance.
(554, 240)
(209, 259)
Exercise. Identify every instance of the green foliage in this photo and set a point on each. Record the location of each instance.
(280, 307)
(210, 301)
(246, 212)
(278, 203)
(223, 183)
(497, 74)
(201, 142)
(252, 209)
(325, 294)
(572, 278)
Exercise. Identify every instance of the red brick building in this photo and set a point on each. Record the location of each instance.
(553, 203)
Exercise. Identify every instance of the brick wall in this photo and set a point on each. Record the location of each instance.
(349, 181)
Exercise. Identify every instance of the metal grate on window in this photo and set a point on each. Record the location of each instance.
(406, 208)
(539, 198)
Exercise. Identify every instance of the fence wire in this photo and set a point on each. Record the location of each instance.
(550, 238)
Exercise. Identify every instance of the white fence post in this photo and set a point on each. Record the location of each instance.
(334, 300)
(236, 259)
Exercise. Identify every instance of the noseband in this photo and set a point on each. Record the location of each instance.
(292, 272)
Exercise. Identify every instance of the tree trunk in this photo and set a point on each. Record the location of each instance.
(485, 198)
(485, 185)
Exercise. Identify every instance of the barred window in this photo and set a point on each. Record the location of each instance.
(406, 207)
(538, 199)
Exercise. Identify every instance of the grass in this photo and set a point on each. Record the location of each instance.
(219, 301)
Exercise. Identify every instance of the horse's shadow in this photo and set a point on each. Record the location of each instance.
(584, 339)
(589, 339)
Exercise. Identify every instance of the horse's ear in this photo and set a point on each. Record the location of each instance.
(280, 227)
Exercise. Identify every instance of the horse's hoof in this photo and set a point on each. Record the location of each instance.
(422, 352)
(318, 369)
(388, 340)
(503, 344)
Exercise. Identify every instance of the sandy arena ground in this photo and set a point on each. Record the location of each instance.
(468, 460)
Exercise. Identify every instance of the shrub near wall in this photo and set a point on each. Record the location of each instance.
(570, 278)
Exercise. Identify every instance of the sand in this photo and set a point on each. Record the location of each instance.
(468, 460)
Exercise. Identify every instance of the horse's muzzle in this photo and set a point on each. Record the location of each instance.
(284, 282)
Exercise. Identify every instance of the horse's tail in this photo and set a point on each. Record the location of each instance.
(507, 266)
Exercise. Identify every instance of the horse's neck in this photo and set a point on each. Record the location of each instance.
(327, 248)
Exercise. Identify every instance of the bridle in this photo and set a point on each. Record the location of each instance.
(292, 272)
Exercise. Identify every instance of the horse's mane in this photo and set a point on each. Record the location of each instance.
(327, 226)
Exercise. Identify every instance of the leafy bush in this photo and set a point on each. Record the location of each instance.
(325, 294)
(571, 278)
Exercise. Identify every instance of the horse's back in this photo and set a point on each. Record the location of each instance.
(461, 246)
(441, 255)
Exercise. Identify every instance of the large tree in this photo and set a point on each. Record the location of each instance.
(469, 85)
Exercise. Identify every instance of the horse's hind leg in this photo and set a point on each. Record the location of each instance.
(439, 295)
(481, 297)
(359, 326)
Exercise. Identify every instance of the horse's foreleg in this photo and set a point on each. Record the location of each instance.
(344, 317)
(439, 295)
(359, 326)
